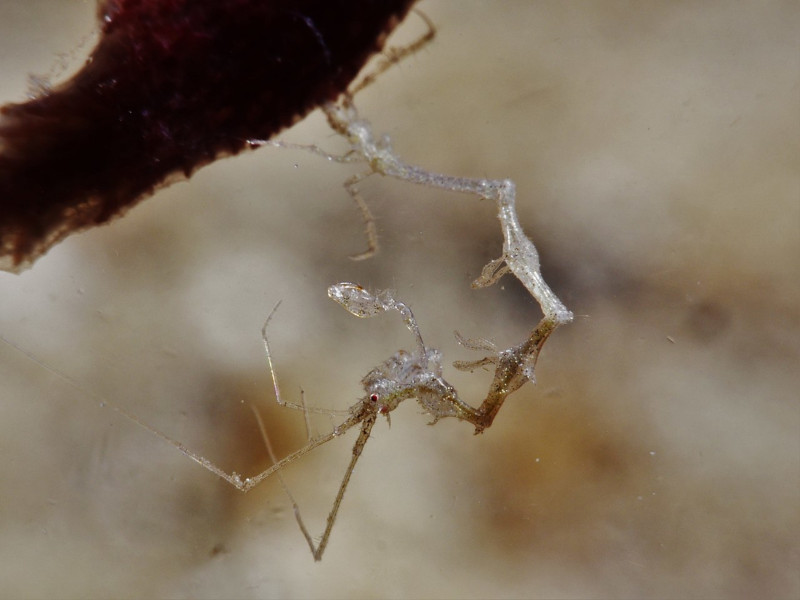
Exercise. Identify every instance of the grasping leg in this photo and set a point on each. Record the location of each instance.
(371, 231)
(476, 344)
(392, 56)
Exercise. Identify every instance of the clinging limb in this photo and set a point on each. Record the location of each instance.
(318, 549)
(392, 56)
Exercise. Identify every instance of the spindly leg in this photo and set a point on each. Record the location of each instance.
(232, 478)
(358, 447)
(348, 157)
(471, 365)
(318, 549)
(351, 185)
(371, 231)
(392, 56)
(278, 396)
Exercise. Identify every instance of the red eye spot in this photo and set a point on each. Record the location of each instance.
(373, 398)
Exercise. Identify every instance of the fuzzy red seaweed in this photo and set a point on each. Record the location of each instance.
(171, 86)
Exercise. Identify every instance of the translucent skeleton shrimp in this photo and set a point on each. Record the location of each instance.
(418, 374)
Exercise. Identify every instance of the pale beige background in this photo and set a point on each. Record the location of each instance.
(656, 151)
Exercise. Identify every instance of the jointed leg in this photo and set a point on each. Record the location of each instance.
(371, 231)
(476, 344)
(318, 550)
(392, 56)
(351, 185)
(358, 447)
(349, 157)
(278, 397)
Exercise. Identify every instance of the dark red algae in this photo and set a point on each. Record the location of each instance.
(171, 86)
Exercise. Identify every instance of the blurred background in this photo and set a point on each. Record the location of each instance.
(656, 151)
